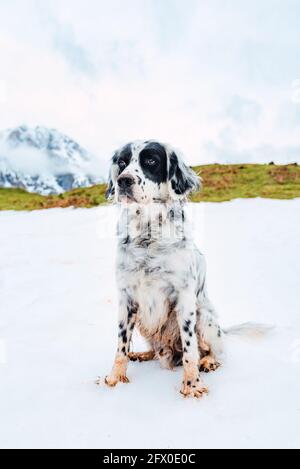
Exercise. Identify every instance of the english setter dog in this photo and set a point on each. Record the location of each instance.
(160, 272)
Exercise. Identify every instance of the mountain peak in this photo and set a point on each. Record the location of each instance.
(44, 161)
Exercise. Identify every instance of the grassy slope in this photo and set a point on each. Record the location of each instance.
(17, 199)
(227, 182)
(220, 183)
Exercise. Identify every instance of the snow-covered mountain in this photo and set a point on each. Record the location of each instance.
(44, 161)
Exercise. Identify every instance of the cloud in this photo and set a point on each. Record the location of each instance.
(3, 92)
(289, 117)
(243, 111)
(213, 78)
(34, 162)
(64, 41)
(27, 161)
(262, 154)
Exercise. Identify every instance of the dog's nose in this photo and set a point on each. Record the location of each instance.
(125, 182)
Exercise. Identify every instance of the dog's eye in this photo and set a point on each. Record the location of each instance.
(122, 165)
(150, 162)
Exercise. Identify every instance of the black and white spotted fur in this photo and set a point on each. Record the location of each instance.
(161, 274)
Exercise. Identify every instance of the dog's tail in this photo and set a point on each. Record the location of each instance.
(249, 330)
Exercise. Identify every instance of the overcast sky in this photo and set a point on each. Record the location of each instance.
(219, 79)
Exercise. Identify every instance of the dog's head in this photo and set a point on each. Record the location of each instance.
(147, 172)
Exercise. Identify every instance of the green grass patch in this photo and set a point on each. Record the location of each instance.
(17, 199)
(220, 183)
(227, 182)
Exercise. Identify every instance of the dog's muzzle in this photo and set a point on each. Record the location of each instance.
(125, 184)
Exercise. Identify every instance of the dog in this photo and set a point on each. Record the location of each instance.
(161, 275)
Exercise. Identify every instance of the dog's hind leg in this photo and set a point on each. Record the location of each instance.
(209, 362)
(211, 340)
(142, 356)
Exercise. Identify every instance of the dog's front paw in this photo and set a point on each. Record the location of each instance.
(118, 373)
(113, 380)
(208, 364)
(195, 389)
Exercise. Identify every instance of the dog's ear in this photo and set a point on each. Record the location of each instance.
(112, 178)
(182, 179)
(109, 194)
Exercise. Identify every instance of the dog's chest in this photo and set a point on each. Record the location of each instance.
(153, 303)
(147, 280)
(152, 261)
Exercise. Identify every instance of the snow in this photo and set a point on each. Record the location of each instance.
(58, 323)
